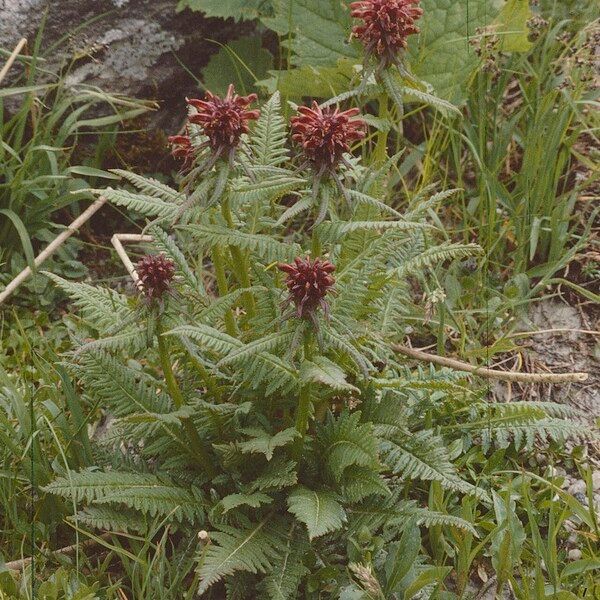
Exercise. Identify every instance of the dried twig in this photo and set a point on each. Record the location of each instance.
(52, 247)
(487, 587)
(17, 565)
(490, 373)
(11, 59)
(552, 331)
(129, 237)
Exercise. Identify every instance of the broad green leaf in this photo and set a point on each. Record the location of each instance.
(21, 230)
(403, 556)
(511, 26)
(320, 29)
(580, 566)
(14, 91)
(92, 172)
(236, 9)
(310, 80)
(427, 577)
(318, 510)
(241, 62)
(441, 54)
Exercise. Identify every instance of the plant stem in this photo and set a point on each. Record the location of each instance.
(219, 264)
(165, 363)
(304, 403)
(382, 136)
(199, 451)
(316, 244)
(440, 336)
(240, 261)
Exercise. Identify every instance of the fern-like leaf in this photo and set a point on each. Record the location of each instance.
(294, 210)
(148, 206)
(335, 229)
(111, 519)
(233, 501)
(144, 492)
(262, 442)
(266, 344)
(103, 307)
(278, 474)
(319, 510)
(269, 138)
(423, 455)
(151, 186)
(253, 549)
(168, 245)
(270, 188)
(345, 441)
(325, 372)
(288, 570)
(119, 388)
(435, 255)
(263, 245)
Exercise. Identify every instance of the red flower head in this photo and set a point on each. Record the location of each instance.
(386, 25)
(156, 273)
(308, 283)
(223, 120)
(325, 134)
(182, 149)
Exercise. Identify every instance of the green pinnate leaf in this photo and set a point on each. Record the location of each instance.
(236, 500)
(345, 441)
(319, 510)
(262, 442)
(323, 371)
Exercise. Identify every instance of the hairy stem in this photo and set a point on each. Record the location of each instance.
(240, 261)
(382, 136)
(165, 363)
(198, 449)
(304, 403)
(219, 264)
(316, 248)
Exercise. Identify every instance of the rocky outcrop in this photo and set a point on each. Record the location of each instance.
(127, 46)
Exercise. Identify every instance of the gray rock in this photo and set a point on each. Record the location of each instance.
(574, 554)
(578, 487)
(123, 46)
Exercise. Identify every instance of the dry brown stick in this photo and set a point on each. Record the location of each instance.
(52, 247)
(555, 330)
(491, 373)
(17, 565)
(117, 240)
(12, 57)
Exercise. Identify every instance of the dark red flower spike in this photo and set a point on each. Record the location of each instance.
(386, 25)
(326, 134)
(308, 283)
(223, 120)
(183, 150)
(155, 273)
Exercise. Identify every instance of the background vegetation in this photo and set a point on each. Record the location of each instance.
(522, 154)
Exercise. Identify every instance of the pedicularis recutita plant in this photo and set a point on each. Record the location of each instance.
(251, 377)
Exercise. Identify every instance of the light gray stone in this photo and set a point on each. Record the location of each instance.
(122, 46)
(574, 554)
(578, 487)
